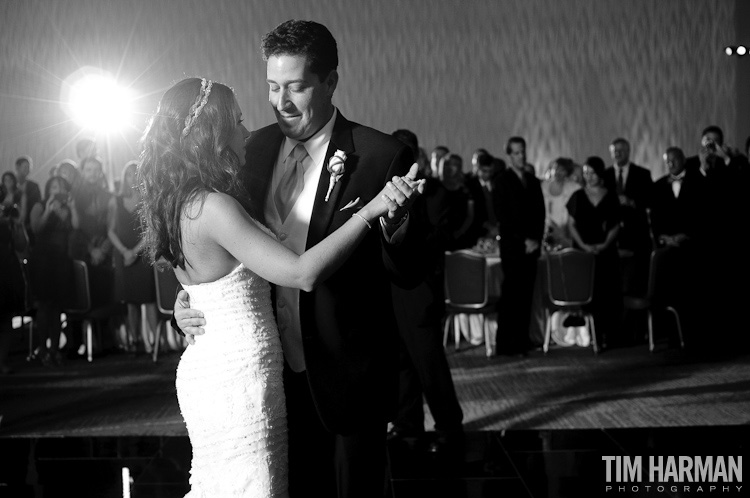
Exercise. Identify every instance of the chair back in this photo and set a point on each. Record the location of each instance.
(166, 288)
(570, 277)
(466, 279)
(80, 300)
(661, 274)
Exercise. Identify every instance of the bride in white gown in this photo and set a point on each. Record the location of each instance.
(196, 217)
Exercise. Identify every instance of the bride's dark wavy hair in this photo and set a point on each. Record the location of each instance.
(175, 170)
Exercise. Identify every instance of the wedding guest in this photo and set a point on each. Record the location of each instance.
(11, 197)
(424, 163)
(85, 148)
(521, 217)
(12, 288)
(475, 160)
(28, 188)
(557, 190)
(483, 193)
(435, 156)
(460, 213)
(423, 368)
(92, 201)
(633, 184)
(677, 211)
(724, 210)
(594, 224)
(52, 220)
(134, 277)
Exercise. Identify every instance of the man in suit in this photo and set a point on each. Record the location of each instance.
(632, 183)
(677, 220)
(424, 369)
(340, 341)
(484, 193)
(521, 215)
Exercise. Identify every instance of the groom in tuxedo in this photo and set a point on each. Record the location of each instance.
(339, 341)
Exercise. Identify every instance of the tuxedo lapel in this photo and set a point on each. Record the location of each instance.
(261, 155)
(320, 220)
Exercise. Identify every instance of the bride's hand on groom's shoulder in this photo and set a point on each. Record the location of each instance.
(189, 320)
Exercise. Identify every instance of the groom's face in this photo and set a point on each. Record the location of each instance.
(300, 100)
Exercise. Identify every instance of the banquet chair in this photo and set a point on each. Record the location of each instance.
(466, 284)
(656, 297)
(80, 307)
(166, 289)
(570, 287)
(29, 310)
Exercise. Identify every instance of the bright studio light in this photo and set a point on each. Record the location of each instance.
(729, 50)
(741, 50)
(95, 101)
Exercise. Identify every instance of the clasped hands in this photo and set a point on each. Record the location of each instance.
(398, 196)
(400, 193)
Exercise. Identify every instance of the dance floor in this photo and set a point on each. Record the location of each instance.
(536, 426)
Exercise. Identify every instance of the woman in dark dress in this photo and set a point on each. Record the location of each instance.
(52, 220)
(594, 224)
(460, 212)
(134, 278)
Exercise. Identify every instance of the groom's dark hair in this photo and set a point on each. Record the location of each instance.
(307, 38)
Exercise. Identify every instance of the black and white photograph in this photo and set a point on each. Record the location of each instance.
(374, 249)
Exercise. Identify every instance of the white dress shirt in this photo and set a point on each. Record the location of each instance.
(292, 233)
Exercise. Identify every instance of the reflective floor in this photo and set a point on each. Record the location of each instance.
(554, 463)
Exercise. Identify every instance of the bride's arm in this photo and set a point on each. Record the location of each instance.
(224, 221)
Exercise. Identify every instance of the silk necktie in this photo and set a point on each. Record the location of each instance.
(292, 182)
(620, 183)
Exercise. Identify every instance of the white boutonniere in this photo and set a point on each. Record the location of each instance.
(336, 169)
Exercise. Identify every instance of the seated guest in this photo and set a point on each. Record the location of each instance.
(461, 210)
(632, 183)
(28, 188)
(521, 217)
(52, 220)
(484, 196)
(134, 277)
(557, 190)
(594, 224)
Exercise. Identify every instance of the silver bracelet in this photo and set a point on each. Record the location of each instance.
(363, 219)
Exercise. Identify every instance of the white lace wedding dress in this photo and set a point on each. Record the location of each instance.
(231, 393)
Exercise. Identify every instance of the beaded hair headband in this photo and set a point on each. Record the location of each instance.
(197, 107)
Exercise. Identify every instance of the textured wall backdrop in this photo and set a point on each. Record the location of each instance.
(569, 75)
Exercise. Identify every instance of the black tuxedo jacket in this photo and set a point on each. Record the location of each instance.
(634, 232)
(684, 214)
(521, 212)
(348, 327)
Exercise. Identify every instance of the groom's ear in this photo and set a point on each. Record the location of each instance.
(332, 80)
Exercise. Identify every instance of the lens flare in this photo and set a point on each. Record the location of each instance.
(95, 101)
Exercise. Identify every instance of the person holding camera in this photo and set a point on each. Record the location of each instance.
(52, 220)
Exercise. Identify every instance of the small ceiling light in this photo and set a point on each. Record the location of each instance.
(741, 50)
(729, 50)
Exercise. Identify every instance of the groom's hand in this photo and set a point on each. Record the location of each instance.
(189, 320)
(401, 194)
